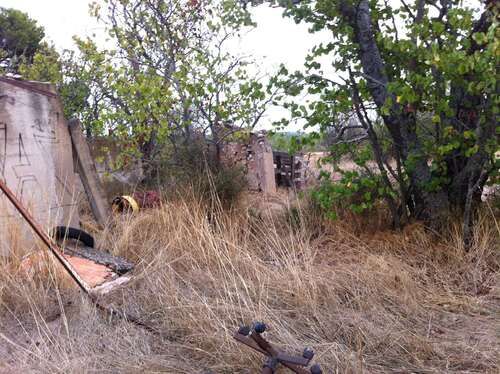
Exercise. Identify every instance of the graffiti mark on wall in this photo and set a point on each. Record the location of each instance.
(45, 136)
(27, 187)
(22, 155)
(23, 170)
(9, 99)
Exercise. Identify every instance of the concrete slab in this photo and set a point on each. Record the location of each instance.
(88, 174)
(36, 160)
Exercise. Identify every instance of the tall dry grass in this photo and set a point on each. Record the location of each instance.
(407, 302)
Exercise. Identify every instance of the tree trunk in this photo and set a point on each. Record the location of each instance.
(147, 149)
(428, 206)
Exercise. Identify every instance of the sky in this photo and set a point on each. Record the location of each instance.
(275, 40)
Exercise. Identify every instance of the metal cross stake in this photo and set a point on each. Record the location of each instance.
(252, 337)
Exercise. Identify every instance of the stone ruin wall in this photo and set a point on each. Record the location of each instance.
(258, 161)
(256, 158)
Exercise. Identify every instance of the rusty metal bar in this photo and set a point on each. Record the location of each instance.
(294, 360)
(250, 343)
(263, 344)
(282, 357)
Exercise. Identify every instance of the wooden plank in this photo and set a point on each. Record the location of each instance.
(111, 285)
(92, 274)
(88, 174)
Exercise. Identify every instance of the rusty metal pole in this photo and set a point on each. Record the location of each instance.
(51, 245)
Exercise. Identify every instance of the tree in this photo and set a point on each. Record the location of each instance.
(170, 79)
(62, 70)
(395, 65)
(227, 100)
(45, 65)
(20, 38)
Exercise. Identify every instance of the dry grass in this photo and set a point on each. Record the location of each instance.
(386, 302)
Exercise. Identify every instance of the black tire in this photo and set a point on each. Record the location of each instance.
(64, 232)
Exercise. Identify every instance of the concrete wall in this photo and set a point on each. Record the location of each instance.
(36, 158)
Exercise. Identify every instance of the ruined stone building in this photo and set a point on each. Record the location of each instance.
(264, 168)
(256, 159)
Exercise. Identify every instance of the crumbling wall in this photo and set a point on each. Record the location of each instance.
(256, 158)
(264, 163)
(36, 160)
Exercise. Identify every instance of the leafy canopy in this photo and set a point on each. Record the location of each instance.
(420, 80)
(20, 37)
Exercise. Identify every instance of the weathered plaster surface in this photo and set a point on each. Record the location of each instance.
(36, 159)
